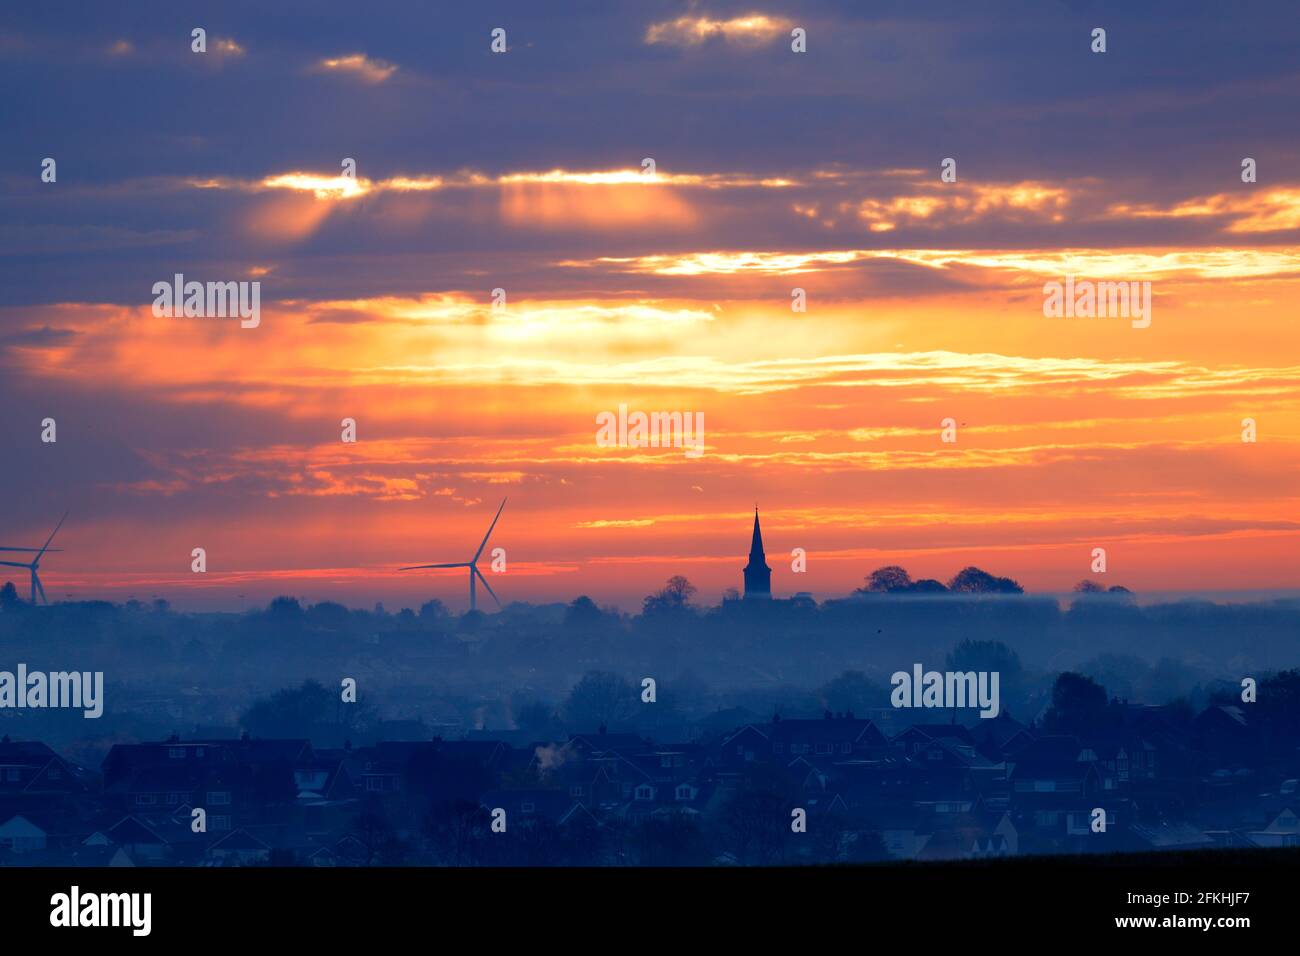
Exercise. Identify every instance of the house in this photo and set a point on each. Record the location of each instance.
(835, 736)
(527, 807)
(1000, 736)
(240, 848)
(142, 842)
(323, 856)
(233, 780)
(602, 782)
(919, 736)
(745, 745)
(1284, 830)
(489, 754)
(34, 776)
(684, 799)
(1054, 765)
(1055, 787)
(964, 833)
(1167, 836)
(1226, 733)
(21, 835)
(946, 766)
(1123, 760)
(674, 762)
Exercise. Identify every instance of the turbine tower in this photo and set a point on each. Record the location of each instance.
(36, 561)
(472, 564)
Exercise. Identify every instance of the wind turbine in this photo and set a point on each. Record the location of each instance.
(472, 564)
(36, 561)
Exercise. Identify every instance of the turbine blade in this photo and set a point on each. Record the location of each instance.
(486, 585)
(39, 586)
(51, 550)
(490, 527)
(418, 567)
(13, 564)
(53, 533)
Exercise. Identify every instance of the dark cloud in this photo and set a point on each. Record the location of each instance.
(43, 337)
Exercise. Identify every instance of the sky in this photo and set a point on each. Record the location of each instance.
(669, 291)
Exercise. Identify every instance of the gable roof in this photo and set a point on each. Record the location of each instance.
(936, 732)
(239, 840)
(25, 753)
(131, 830)
(832, 730)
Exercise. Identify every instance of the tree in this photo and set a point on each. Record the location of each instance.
(534, 718)
(284, 608)
(1093, 588)
(582, 612)
(928, 586)
(973, 580)
(600, 699)
(852, 691)
(754, 825)
(867, 847)
(985, 656)
(457, 831)
(372, 830)
(672, 841)
(433, 611)
(678, 590)
(1078, 705)
(672, 599)
(292, 712)
(9, 598)
(887, 580)
(329, 615)
(585, 841)
(1279, 698)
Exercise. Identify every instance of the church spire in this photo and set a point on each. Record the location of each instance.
(758, 576)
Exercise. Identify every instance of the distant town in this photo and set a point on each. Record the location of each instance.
(1165, 780)
(577, 735)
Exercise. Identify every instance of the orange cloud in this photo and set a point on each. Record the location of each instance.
(358, 65)
(1272, 210)
(752, 30)
(961, 203)
(1097, 263)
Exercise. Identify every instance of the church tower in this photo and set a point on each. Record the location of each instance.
(758, 576)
